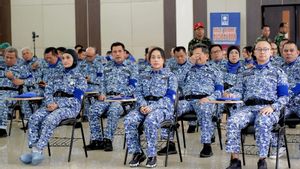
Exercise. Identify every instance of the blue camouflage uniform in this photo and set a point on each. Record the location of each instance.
(71, 86)
(247, 62)
(260, 86)
(101, 59)
(25, 107)
(143, 65)
(230, 74)
(277, 61)
(8, 89)
(180, 70)
(94, 70)
(293, 72)
(118, 79)
(156, 89)
(203, 80)
(48, 72)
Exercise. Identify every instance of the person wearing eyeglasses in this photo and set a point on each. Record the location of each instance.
(291, 67)
(216, 55)
(264, 90)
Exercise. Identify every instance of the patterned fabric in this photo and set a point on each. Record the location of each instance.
(118, 79)
(42, 123)
(261, 82)
(19, 72)
(162, 84)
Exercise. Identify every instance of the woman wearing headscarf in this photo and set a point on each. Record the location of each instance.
(63, 98)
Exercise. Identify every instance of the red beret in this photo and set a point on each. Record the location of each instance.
(198, 25)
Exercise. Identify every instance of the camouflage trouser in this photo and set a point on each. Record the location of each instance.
(263, 126)
(113, 111)
(151, 123)
(204, 117)
(292, 107)
(5, 106)
(42, 124)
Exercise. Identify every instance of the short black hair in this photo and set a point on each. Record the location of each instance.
(262, 27)
(53, 50)
(76, 46)
(249, 49)
(281, 25)
(146, 50)
(63, 49)
(214, 45)
(290, 42)
(202, 46)
(179, 48)
(117, 44)
(81, 50)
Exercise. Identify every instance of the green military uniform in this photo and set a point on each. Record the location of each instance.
(195, 41)
(278, 38)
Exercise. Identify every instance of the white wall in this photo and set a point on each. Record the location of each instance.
(229, 6)
(184, 22)
(136, 23)
(52, 20)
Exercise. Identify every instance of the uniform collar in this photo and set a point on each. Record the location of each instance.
(295, 61)
(259, 66)
(54, 65)
(198, 66)
(119, 64)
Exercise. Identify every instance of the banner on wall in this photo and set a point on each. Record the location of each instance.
(225, 28)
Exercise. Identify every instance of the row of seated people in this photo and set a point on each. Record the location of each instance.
(262, 86)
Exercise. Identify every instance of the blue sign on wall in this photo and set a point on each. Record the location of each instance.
(225, 28)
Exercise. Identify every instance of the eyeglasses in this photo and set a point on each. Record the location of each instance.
(262, 49)
(287, 50)
(214, 52)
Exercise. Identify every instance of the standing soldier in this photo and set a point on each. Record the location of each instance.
(199, 30)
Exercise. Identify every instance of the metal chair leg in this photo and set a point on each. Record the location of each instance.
(220, 134)
(243, 153)
(183, 135)
(287, 150)
(178, 144)
(71, 143)
(83, 140)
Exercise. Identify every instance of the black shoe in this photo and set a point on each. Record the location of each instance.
(95, 145)
(292, 126)
(108, 145)
(262, 164)
(213, 139)
(137, 159)
(206, 151)
(78, 125)
(84, 119)
(235, 164)
(172, 149)
(191, 129)
(151, 162)
(3, 133)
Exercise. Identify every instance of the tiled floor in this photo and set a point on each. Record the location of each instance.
(12, 147)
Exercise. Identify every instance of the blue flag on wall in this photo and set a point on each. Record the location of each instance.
(225, 28)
